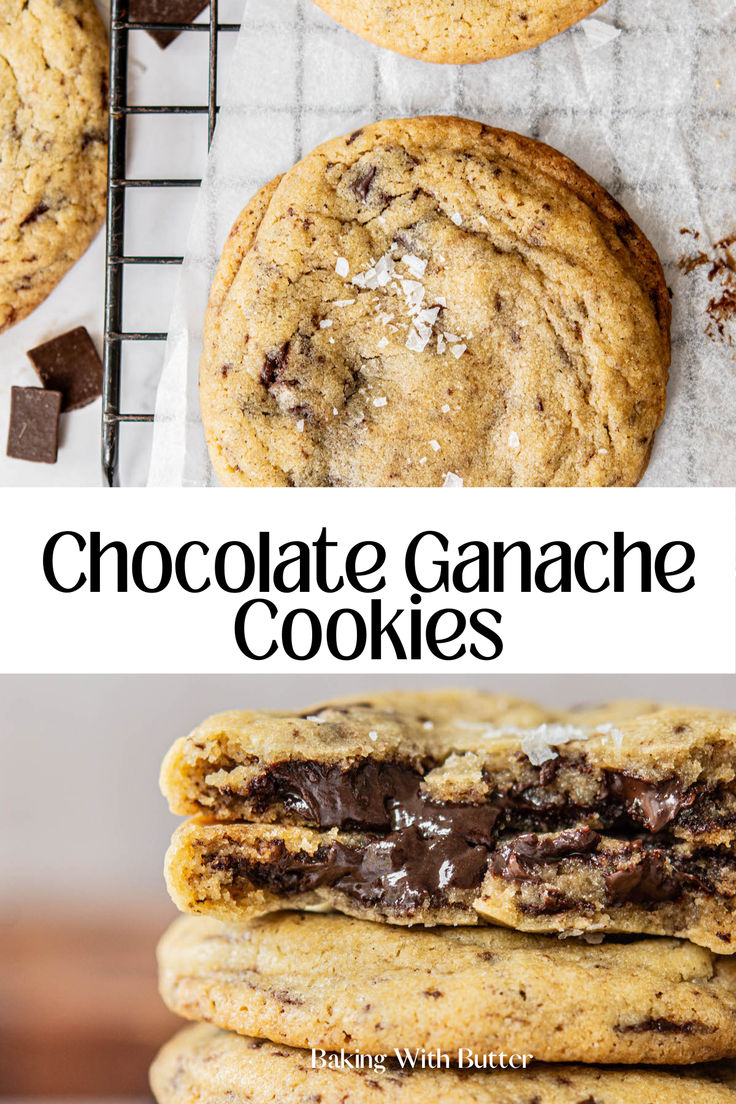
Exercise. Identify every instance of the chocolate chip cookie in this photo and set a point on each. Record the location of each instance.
(203, 1063)
(443, 809)
(53, 144)
(335, 982)
(458, 31)
(430, 300)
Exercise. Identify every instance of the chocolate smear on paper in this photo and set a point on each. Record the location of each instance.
(721, 265)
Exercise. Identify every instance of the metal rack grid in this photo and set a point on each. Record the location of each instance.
(118, 187)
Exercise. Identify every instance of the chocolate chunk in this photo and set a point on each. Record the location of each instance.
(362, 183)
(513, 861)
(33, 433)
(576, 841)
(656, 804)
(273, 363)
(664, 1026)
(165, 11)
(40, 209)
(645, 882)
(93, 137)
(69, 363)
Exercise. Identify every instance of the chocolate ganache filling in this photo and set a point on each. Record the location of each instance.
(372, 796)
(424, 849)
(399, 872)
(428, 847)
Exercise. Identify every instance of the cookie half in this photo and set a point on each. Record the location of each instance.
(575, 882)
(335, 982)
(458, 31)
(53, 144)
(581, 882)
(573, 825)
(232, 766)
(203, 1063)
(429, 297)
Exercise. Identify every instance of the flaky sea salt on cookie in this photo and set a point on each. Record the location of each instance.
(433, 297)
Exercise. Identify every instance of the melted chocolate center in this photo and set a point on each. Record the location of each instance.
(429, 847)
(425, 849)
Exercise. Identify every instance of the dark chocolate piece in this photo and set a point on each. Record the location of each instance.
(33, 433)
(69, 363)
(362, 183)
(663, 1026)
(649, 880)
(656, 804)
(404, 871)
(165, 11)
(514, 860)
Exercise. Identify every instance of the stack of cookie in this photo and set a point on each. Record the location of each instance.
(478, 890)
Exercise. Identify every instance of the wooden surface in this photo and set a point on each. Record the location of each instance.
(79, 1011)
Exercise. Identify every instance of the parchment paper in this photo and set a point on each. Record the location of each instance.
(642, 95)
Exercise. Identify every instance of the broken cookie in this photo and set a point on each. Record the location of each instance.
(434, 810)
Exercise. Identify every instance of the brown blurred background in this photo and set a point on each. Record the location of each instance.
(83, 831)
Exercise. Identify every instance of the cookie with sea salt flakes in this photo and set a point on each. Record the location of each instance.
(433, 297)
(458, 31)
(204, 1063)
(331, 981)
(53, 144)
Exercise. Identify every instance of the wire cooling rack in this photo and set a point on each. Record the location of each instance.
(120, 186)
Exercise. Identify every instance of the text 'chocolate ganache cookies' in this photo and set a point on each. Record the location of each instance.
(204, 1064)
(432, 299)
(458, 31)
(53, 144)
(457, 808)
